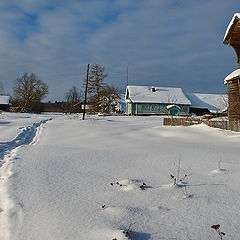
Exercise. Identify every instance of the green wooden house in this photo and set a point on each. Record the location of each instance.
(144, 100)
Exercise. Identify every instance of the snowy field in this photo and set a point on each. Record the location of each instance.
(67, 179)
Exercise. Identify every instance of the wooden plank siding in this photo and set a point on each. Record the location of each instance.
(233, 38)
(5, 107)
(223, 124)
(235, 41)
(234, 99)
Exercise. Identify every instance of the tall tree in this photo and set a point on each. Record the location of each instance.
(73, 98)
(28, 92)
(96, 84)
(96, 79)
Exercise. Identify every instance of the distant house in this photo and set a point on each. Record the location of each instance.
(4, 103)
(144, 100)
(203, 103)
(53, 107)
(121, 104)
(232, 38)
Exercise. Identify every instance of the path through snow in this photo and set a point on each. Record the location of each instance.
(8, 152)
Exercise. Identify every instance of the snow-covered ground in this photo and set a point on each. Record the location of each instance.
(67, 179)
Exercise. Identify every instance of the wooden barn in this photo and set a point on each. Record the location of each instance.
(208, 104)
(232, 38)
(144, 100)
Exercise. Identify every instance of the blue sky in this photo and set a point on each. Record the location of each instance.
(175, 43)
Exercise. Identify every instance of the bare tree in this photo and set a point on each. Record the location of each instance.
(108, 99)
(170, 99)
(96, 79)
(28, 92)
(222, 102)
(73, 98)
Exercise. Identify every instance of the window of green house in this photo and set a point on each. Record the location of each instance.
(155, 107)
(184, 108)
(163, 109)
(145, 107)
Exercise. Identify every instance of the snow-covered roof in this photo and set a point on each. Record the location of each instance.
(4, 99)
(232, 75)
(144, 94)
(213, 102)
(235, 20)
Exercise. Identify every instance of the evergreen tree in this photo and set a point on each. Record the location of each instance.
(96, 84)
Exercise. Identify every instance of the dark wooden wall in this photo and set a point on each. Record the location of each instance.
(237, 50)
(234, 99)
(4, 107)
(233, 39)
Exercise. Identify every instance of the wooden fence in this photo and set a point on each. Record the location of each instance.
(226, 125)
(180, 121)
(222, 124)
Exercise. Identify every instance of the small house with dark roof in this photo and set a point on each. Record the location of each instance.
(232, 38)
(145, 100)
(205, 103)
(4, 103)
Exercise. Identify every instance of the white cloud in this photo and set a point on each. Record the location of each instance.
(168, 38)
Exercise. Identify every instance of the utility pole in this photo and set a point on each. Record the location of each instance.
(85, 98)
(127, 75)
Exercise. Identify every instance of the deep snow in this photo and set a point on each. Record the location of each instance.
(57, 187)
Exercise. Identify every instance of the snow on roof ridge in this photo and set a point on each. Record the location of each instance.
(235, 16)
(232, 75)
(150, 86)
